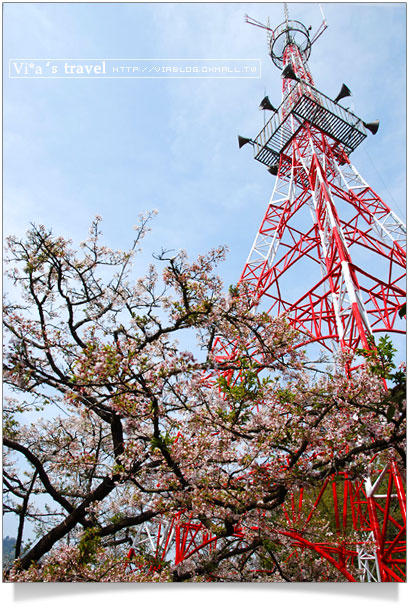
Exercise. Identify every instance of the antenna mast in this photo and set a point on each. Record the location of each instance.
(289, 32)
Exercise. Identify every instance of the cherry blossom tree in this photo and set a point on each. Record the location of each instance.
(110, 422)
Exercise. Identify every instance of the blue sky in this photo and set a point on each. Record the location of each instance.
(76, 148)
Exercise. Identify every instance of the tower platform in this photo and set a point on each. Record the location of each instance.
(310, 107)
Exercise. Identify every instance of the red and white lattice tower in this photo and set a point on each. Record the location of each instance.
(329, 252)
(331, 255)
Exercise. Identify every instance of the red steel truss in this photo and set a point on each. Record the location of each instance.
(341, 304)
(329, 252)
(330, 255)
(374, 510)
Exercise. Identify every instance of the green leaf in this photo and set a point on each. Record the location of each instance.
(403, 311)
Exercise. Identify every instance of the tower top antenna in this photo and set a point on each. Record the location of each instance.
(286, 12)
(289, 32)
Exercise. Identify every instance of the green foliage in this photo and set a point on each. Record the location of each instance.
(160, 442)
(403, 311)
(250, 386)
(381, 360)
(380, 356)
(88, 546)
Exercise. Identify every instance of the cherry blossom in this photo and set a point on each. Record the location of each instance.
(119, 425)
